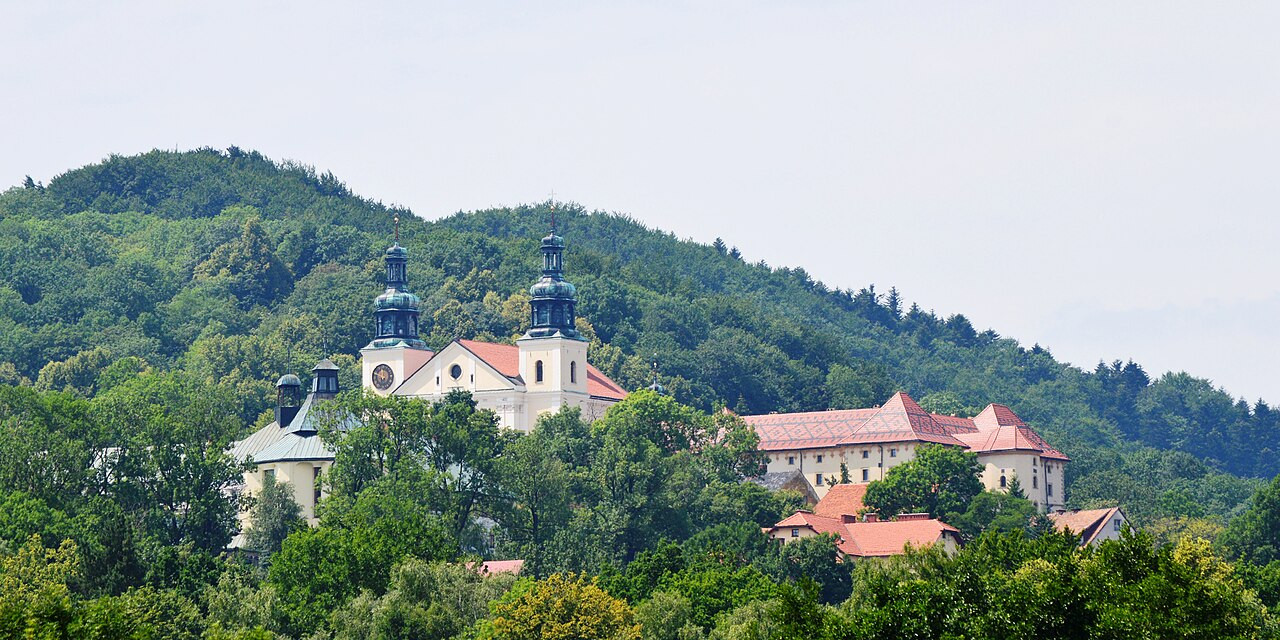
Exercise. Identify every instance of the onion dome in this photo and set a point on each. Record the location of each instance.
(554, 303)
(395, 311)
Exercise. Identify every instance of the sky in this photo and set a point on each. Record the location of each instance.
(1100, 178)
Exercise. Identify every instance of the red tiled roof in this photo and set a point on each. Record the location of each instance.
(505, 358)
(901, 419)
(1086, 523)
(870, 539)
(841, 499)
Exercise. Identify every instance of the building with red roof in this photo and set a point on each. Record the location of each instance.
(544, 370)
(866, 443)
(1092, 525)
(867, 536)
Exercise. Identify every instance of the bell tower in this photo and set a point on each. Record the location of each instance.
(396, 350)
(553, 354)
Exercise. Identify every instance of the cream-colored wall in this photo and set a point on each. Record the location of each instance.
(784, 533)
(435, 379)
(1109, 529)
(556, 354)
(300, 475)
(878, 462)
(1031, 472)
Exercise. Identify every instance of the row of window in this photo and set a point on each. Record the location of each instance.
(791, 460)
(818, 478)
(573, 372)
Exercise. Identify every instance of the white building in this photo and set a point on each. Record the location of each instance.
(866, 443)
(545, 370)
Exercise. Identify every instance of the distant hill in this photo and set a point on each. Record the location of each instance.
(231, 265)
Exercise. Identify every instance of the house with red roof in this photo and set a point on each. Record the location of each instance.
(866, 443)
(1092, 525)
(867, 536)
(544, 370)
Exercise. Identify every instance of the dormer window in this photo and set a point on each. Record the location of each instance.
(537, 371)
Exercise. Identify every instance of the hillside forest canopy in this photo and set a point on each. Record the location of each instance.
(147, 304)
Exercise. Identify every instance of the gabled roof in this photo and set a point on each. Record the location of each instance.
(1000, 429)
(505, 359)
(1087, 523)
(901, 419)
(871, 539)
(841, 499)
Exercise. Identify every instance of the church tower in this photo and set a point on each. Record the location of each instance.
(553, 355)
(396, 350)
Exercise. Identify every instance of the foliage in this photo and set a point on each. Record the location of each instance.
(562, 607)
(273, 515)
(940, 481)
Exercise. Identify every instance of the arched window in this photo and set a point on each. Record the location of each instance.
(1003, 484)
(537, 371)
(573, 372)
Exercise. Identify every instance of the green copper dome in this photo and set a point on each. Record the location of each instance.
(393, 299)
(548, 288)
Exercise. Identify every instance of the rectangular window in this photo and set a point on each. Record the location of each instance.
(865, 475)
(791, 460)
(1034, 462)
(1117, 524)
(819, 457)
(268, 475)
(1048, 489)
(893, 453)
(866, 454)
(817, 480)
(795, 533)
(1035, 482)
(315, 482)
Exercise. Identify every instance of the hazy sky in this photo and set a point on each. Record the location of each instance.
(1100, 178)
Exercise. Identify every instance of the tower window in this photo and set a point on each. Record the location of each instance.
(1035, 482)
(537, 371)
(1003, 482)
(315, 483)
(455, 371)
(573, 372)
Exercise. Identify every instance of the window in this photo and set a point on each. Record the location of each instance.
(1035, 482)
(791, 460)
(865, 474)
(1048, 489)
(1116, 524)
(455, 372)
(315, 484)
(573, 372)
(537, 371)
(1034, 462)
(268, 476)
(866, 454)
(795, 533)
(893, 453)
(819, 457)
(1003, 483)
(817, 480)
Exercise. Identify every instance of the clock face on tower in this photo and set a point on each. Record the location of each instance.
(382, 377)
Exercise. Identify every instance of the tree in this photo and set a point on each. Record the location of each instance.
(35, 601)
(1254, 535)
(273, 515)
(940, 481)
(562, 607)
(250, 266)
(996, 510)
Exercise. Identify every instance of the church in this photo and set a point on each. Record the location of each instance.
(545, 370)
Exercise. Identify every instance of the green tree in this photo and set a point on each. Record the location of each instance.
(272, 516)
(250, 267)
(562, 607)
(940, 481)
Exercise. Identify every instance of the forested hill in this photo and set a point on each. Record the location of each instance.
(238, 268)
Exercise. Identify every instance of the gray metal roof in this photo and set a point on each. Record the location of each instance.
(295, 448)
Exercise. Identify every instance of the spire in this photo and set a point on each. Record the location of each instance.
(553, 308)
(396, 310)
(657, 387)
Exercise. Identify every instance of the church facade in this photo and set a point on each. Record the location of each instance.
(545, 370)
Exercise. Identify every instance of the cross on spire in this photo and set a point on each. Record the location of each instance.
(397, 219)
(553, 211)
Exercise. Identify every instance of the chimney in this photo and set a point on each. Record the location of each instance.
(913, 516)
(848, 518)
(871, 517)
